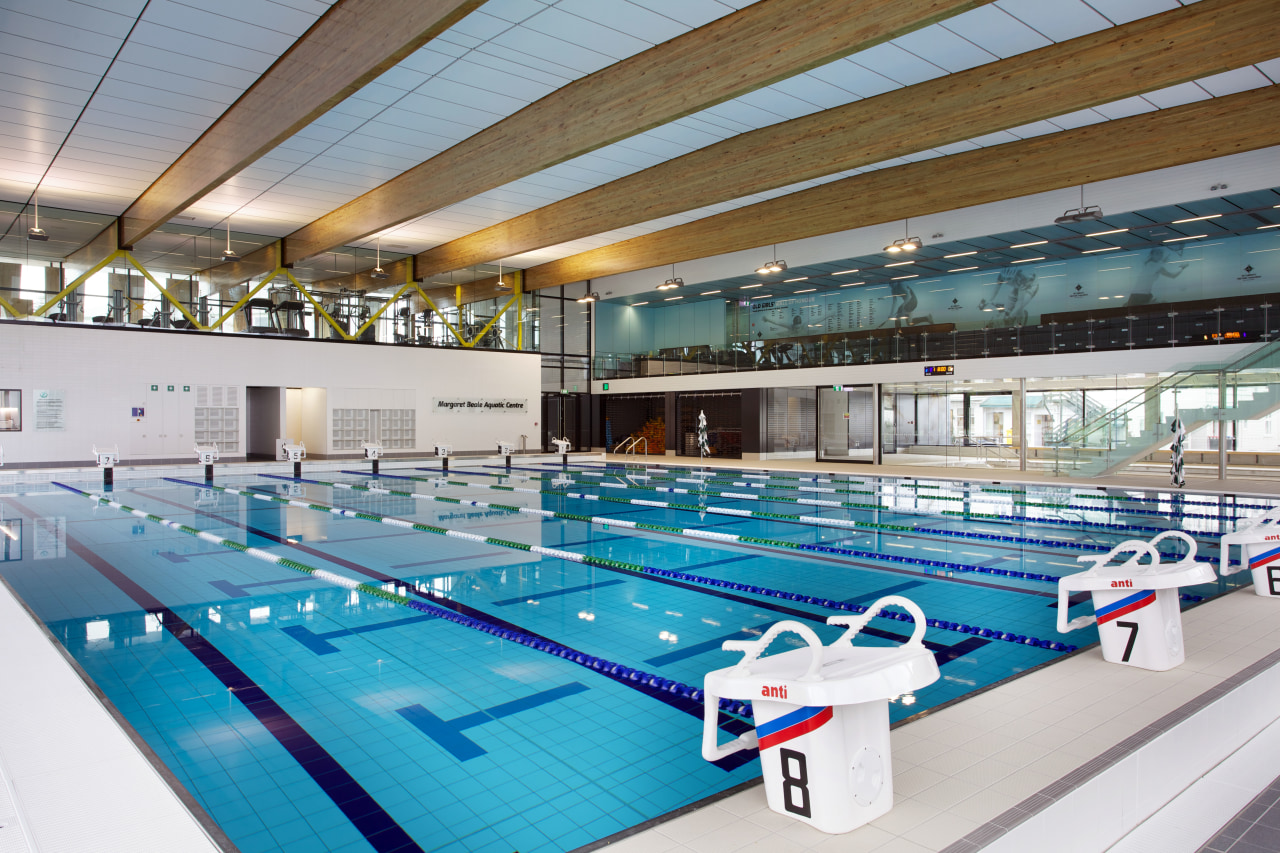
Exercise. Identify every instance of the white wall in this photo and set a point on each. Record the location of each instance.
(104, 372)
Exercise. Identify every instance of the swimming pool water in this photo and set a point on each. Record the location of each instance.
(474, 695)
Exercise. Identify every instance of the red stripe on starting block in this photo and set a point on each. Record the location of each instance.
(794, 731)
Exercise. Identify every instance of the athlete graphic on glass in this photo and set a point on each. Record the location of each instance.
(1022, 289)
(1157, 264)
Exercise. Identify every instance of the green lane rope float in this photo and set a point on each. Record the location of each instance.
(605, 563)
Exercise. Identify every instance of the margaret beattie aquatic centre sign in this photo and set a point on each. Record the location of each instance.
(478, 404)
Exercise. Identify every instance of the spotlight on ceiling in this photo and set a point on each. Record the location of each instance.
(673, 282)
(35, 232)
(1079, 214)
(904, 244)
(589, 297)
(771, 267)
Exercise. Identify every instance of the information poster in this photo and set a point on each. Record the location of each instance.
(50, 411)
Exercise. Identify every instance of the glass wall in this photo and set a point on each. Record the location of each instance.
(846, 423)
(790, 422)
(723, 410)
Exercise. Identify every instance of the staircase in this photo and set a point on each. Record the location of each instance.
(1104, 443)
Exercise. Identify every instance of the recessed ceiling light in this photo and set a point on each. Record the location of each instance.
(749, 286)
(709, 292)
(962, 269)
(670, 298)
(1192, 237)
(900, 277)
(807, 290)
(1113, 231)
(633, 304)
(1277, 225)
(801, 278)
(1028, 260)
(901, 264)
(851, 272)
(762, 296)
(853, 284)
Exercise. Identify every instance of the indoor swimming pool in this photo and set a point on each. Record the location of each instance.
(495, 659)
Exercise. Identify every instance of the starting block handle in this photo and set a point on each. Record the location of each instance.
(752, 649)
(857, 623)
(1247, 532)
(1177, 534)
(712, 750)
(1135, 546)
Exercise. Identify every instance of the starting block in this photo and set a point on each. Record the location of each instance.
(1259, 541)
(207, 454)
(107, 461)
(506, 448)
(821, 717)
(1136, 604)
(286, 451)
(562, 447)
(444, 451)
(372, 452)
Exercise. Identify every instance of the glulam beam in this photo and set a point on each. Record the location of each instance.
(1191, 42)
(350, 45)
(1199, 131)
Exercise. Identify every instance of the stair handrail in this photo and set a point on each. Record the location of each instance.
(1172, 381)
(631, 442)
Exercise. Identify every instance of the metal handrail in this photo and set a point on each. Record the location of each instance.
(631, 443)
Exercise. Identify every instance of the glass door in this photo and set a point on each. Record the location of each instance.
(846, 423)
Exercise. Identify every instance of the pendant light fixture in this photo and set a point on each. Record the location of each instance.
(1081, 213)
(36, 232)
(229, 254)
(776, 265)
(905, 244)
(378, 271)
(673, 282)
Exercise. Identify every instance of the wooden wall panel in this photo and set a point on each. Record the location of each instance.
(1214, 128)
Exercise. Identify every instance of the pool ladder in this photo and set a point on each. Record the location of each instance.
(628, 445)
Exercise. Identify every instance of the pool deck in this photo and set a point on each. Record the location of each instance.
(1069, 757)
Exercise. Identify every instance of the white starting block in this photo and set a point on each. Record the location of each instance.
(506, 448)
(444, 450)
(107, 461)
(1136, 604)
(1259, 541)
(207, 454)
(372, 449)
(563, 445)
(287, 451)
(821, 717)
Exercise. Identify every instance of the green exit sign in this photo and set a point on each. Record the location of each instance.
(606, 386)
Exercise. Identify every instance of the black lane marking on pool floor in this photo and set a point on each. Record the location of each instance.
(728, 724)
(366, 815)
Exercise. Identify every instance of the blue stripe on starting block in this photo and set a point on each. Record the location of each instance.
(792, 725)
(1260, 560)
(1126, 605)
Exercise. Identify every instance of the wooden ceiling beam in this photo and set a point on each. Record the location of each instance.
(754, 47)
(350, 45)
(1151, 53)
(1199, 131)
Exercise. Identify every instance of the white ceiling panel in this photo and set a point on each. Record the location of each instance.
(944, 48)
(1176, 96)
(579, 60)
(54, 101)
(1059, 20)
(112, 21)
(853, 78)
(514, 11)
(199, 47)
(994, 30)
(56, 36)
(691, 13)
(742, 113)
(626, 17)
(610, 41)
(1271, 68)
(898, 65)
(29, 75)
(516, 89)
(485, 105)
(1123, 11)
(1079, 118)
(159, 60)
(1230, 82)
(1125, 108)
(686, 133)
(814, 90)
(779, 103)
(490, 57)
(221, 29)
(653, 146)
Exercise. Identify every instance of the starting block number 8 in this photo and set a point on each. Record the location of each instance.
(795, 784)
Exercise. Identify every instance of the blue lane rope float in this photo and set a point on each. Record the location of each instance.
(601, 562)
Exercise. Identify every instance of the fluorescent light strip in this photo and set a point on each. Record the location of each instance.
(749, 286)
(1101, 233)
(1024, 245)
(1192, 237)
(1095, 251)
(801, 278)
(901, 277)
(1196, 219)
(961, 254)
(634, 304)
(962, 269)
(762, 296)
(901, 264)
(670, 298)
(710, 292)
(845, 272)
(1261, 227)
(1028, 260)
(807, 290)
(853, 284)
